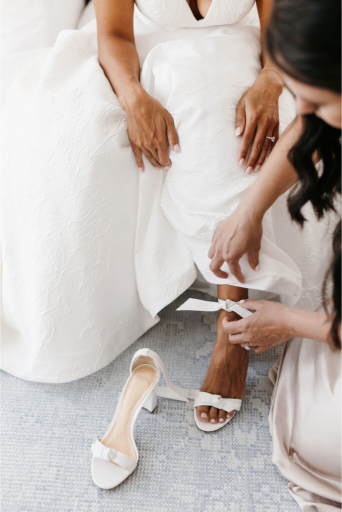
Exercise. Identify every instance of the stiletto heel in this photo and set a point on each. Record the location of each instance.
(151, 401)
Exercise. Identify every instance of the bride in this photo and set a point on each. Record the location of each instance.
(110, 199)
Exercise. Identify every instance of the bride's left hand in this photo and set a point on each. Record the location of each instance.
(257, 117)
(267, 327)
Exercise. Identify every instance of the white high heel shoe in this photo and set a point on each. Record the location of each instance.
(203, 398)
(116, 455)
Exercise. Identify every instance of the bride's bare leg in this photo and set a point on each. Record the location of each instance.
(227, 371)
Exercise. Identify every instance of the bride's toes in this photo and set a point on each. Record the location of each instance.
(221, 416)
(230, 414)
(203, 413)
(213, 415)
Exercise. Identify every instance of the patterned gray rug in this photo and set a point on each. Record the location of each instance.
(47, 430)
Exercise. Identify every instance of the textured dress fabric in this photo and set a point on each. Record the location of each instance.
(33, 24)
(305, 423)
(92, 249)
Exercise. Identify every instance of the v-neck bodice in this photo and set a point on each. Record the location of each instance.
(177, 13)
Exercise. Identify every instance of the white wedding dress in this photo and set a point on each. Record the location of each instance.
(91, 248)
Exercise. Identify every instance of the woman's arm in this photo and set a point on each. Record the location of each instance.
(241, 232)
(257, 114)
(150, 127)
(117, 52)
(273, 323)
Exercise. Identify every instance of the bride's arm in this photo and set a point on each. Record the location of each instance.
(257, 115)
(117, 52)
(150, 126)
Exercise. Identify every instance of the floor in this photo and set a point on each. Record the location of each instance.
(47, 430)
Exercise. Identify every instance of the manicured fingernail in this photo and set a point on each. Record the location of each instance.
(257, 267)
(257, 169)
(221, 420)
(212, 421)
(141, 169)
(238, 131)
(242, 161)
(249, 170)
(204, 415)
(176, 148)
(166, 168)
(242, 301)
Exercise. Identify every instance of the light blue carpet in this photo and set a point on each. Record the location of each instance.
(47, 430)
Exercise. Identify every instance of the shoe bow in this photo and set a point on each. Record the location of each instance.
(100, 451)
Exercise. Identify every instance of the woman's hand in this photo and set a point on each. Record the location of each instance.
(237, 235)
(150, 130)
(257, 117)
(267, 327)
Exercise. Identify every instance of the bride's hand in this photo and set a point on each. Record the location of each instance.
(257, 117)
(237, 235)
(150, 130)
(267, 327)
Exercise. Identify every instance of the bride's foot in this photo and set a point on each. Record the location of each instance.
(226, 374)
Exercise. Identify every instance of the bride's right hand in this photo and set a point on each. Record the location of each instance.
(150, 130)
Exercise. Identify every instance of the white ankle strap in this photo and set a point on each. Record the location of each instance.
(204, 305)
(171, 390)
(175, 392)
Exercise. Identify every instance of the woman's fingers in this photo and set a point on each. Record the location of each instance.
(260, 144)
(154, 144)
(240, 118)
(163, 156)
(259, 349)
(211, 251)
(158, 144)
(253, 259)
(247, 138)
(276, 132)
(272, 131)
(138, 157)
(234, 328)
(253, 305)
(172, 134)
(151, 158)
(161, 144)
(237, 339)
(215, 266)
(235, 269)
(217, 262)
(150, 128)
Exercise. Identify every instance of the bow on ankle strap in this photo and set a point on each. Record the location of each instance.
(100, 451)
(227, 404)
(204, 305)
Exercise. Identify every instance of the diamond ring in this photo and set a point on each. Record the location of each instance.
(272, 139)
(247, 346)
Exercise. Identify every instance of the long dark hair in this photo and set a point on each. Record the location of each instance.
(304, 39)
